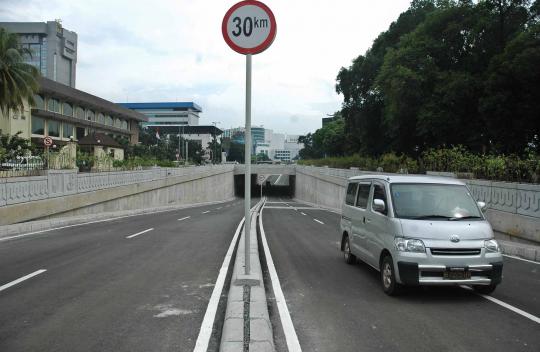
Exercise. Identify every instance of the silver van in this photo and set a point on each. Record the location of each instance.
(419, 230)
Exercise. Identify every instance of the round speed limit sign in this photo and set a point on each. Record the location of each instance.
(249, 27)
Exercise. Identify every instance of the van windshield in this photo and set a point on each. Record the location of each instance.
(424, 201)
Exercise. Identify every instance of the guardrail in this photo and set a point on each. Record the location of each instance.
(59, 183)
(510, 197)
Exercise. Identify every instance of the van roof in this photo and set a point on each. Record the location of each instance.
(393, 178)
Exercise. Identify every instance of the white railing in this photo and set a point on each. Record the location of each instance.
(59, 183)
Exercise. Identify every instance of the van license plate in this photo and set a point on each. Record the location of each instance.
(456, 275)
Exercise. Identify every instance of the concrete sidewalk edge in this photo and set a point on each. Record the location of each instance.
(51, 224)
(261, 334)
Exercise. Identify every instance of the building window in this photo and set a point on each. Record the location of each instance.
(117, 123)
(39, 103)
(79, 113)
(53, 105)
(124, 125)
(101, 118)
(53, 128)
(67, 130)
(90, 116)
(108, 120)
(38, 125)
(67, 109)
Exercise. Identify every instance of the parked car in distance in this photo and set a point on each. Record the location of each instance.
(419, 230)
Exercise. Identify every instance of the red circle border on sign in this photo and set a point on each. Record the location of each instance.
(264, 45)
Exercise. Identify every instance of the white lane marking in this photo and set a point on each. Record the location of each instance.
(140, 233)
(518, 258)
(293, 344)
(13, 283)
(208, 321)
(206, 212)
(187, 217)
(319, 221)
(94, 222)
(219, 208)
(506, 305)
(303, 213)
(289, 207)
(279, 178)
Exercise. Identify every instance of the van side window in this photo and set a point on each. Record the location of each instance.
(379, 193)
(363, 195)
(351, 193)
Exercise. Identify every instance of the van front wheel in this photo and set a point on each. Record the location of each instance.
(388, 277)
(347, 255)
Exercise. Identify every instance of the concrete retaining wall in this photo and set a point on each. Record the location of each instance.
(67, 193)
(513, 208)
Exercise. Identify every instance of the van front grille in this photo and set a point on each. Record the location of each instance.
(455, 251)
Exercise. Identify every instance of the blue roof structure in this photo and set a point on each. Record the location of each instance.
(164, 105)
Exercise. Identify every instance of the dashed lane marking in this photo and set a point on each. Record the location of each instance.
(206, 212)
(319, 221)
(139, 233)
(522, 259)
(187, 217)
(15, 282)
(303, 213)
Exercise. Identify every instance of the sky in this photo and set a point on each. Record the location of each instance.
(164, 50)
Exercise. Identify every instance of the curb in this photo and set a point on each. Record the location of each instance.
(38, 226)
(247, 308)
(524, 251)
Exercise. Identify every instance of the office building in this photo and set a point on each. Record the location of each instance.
(53, 48)
(175, 118)
(167, 114)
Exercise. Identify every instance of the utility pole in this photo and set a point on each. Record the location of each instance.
(214, 147)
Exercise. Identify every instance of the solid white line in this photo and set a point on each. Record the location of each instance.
(140, 233)
(208, 321)
(506, 305)
(518, 258)
(12, 283)
(279, 178)
(94, 222)
(206, 212)
(319, 221)
(187, 217)
(219, 208)
(303, 213)
(293, 344)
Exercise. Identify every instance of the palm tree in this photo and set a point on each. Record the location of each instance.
(18, 80)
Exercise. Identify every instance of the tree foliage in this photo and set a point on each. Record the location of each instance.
(445, 73)
(18, 80)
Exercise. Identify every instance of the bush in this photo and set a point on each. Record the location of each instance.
(455, 159)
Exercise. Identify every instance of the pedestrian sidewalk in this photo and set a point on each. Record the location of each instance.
(517, 247)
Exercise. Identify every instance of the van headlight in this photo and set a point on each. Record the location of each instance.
(409, 245)
(492, 246)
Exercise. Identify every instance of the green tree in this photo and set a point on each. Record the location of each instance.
(18, 80)
(13, 146)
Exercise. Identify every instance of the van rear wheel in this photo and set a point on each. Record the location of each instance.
(347, 255)
(388, 277)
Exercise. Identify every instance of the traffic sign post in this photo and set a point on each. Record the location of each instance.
(262, 178)
(249, 28)
(47, 142)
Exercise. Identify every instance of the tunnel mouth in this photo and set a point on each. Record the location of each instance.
(274, 186)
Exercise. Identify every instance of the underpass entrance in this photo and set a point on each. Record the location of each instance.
(273, 185)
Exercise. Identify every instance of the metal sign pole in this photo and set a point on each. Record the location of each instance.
(247, 180)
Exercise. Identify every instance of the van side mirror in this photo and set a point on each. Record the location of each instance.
(379, 205)
(482, 206)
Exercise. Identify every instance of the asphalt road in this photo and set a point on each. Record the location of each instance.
(338, 307)
(102, 291)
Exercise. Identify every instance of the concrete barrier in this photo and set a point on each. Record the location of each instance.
(67, 193)
(247, 310)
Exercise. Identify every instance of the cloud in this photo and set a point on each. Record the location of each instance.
(166, 50)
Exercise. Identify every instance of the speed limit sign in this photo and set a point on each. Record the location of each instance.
(249, 27)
